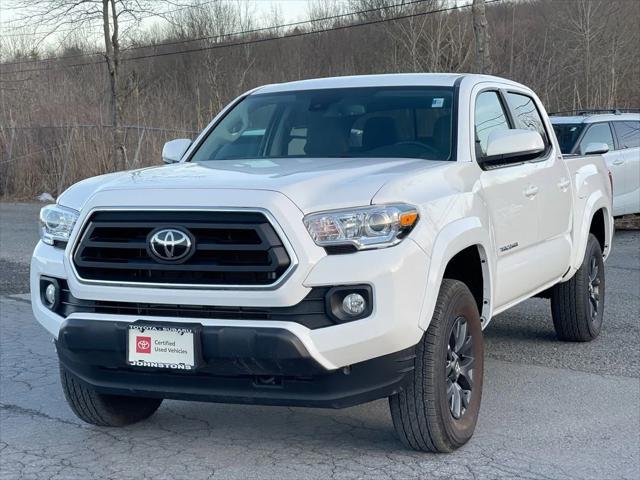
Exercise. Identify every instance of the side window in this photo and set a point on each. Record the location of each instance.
(526, 114)
(628, 134)
(597, 133)
(489, 117)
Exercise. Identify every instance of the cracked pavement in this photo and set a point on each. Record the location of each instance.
(550, 410)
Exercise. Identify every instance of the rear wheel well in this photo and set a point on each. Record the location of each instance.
(466, 266)
(597, 228)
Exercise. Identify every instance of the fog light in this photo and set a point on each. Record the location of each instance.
(354, 304)
(347, 303)
(50, 294)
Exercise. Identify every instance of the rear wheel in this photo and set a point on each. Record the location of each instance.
(438, 409)
(104, 410)
(577, 305)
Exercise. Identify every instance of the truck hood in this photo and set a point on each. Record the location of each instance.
(312, 184)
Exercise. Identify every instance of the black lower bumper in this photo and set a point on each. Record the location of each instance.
(267, 366)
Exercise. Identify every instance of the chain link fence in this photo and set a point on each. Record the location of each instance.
(38, 159)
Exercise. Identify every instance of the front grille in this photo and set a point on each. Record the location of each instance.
(231, 248)
(310, 312)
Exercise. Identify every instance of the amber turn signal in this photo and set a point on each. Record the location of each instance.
(407, 219)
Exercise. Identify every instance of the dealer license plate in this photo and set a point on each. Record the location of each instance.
(161, 347)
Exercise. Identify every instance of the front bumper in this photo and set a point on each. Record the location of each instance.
(396, 275)
(267, 366)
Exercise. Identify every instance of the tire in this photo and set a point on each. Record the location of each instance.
(577, 305)
(104, 410)
(421, 413)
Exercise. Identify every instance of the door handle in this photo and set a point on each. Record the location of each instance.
(564, 184)
(530, 191)
(619, 161)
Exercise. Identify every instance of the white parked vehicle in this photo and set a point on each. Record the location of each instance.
(325, 243)
(587, 132)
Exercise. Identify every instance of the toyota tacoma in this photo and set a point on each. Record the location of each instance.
(325, 243)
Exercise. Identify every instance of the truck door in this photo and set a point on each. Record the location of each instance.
(507, 193)
(552, 179)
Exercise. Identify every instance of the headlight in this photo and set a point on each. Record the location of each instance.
(56, 223)
(366, 227)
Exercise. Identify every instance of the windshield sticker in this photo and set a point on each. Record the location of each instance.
(437, 103)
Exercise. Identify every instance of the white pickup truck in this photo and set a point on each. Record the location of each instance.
(325, 243)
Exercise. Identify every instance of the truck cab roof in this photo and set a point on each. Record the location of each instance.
(383, 80)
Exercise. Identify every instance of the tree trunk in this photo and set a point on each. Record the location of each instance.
(112, 54)
(481, 33)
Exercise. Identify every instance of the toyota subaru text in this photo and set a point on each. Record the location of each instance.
(325, 243)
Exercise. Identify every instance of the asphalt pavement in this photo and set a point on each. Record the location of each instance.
(550, 410)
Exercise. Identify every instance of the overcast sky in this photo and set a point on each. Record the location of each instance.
(290, 10)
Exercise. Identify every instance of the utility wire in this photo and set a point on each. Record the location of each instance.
(257, 41)
(91, 126)
(99, 27)
(232, 34)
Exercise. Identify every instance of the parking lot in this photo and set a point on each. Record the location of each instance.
(550, 410)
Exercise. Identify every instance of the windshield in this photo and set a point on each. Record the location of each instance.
(567, 134)
(335, 123)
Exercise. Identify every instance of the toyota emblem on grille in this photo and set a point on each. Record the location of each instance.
(170, 245)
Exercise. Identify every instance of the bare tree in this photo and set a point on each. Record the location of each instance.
(55, 15)
(112, 55)
(173, 76)
(481, 31)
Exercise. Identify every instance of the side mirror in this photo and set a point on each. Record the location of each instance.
(505, 146)
(594, 148)
(174, 150)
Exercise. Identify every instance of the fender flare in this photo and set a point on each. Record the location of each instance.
(596, 201)
(452, 239)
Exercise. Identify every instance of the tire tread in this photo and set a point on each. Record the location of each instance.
(570, 317)
(413, 410)
(104, 410)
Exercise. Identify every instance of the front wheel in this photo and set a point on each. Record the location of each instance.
(577, 305)
(438, 409)
(104, 410)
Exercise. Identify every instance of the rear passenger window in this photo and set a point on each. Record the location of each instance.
(628, 134)
(526, 115)
(489, 117)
